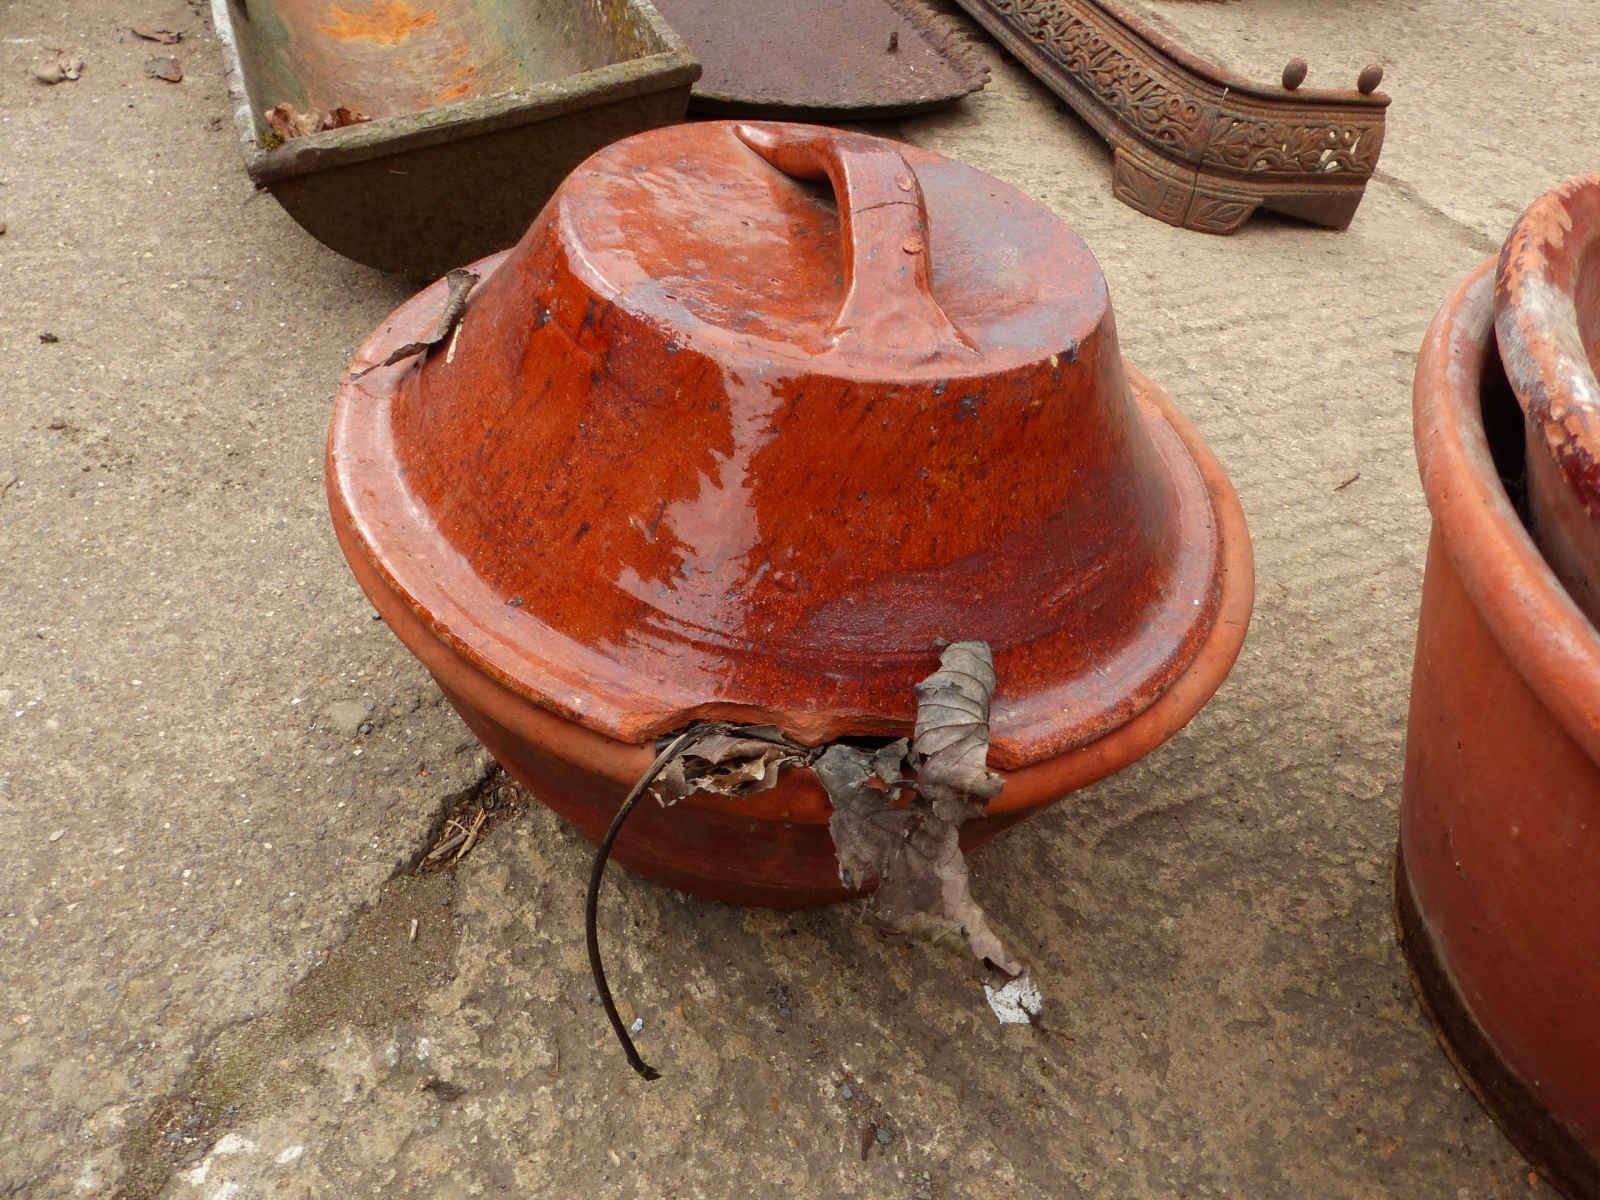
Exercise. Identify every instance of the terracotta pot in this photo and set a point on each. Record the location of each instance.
(1547, 318)
(1498, 873)
(707, 445)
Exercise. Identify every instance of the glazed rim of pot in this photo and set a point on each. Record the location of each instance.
(1176, 655)
(1530, 613)
(1545, 274)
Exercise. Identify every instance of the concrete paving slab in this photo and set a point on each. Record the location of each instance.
(208, 986)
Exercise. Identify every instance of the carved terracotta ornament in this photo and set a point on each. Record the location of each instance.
(753, 421)
(1196, 145)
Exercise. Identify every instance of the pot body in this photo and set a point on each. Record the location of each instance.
(712, 444)
(774, 849)
(1498, 873)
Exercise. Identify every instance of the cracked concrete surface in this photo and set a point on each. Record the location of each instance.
(202, 809)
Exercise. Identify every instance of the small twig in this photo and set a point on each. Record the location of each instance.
(472, 834)
(440, 851)
(1348, 482)
(591, 910)
(15, 479)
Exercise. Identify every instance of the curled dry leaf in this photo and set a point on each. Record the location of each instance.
(461, 282)
(915, 851)
(164, 67)
(289, 122)
(167, 37)
(730, 760)
(952, 734)
(63, 68)
(912, 849)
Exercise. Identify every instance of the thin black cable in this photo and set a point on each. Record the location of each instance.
(592, 910)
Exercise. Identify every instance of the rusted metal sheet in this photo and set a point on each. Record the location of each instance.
(822, 58)
(1195, 145)
(478, 111)
(818, 400)
(1498, 874)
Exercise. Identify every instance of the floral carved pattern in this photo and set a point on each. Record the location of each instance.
(1117, 79)
(1302, 149)
(1147, 95)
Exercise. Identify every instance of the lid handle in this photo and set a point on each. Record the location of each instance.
(888, 277)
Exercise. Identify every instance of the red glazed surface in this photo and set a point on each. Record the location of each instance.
(642, 489)
(1547, 318)
(1500, 822)
(621, 498)
(774, 849)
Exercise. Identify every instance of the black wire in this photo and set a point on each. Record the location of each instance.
(590, 932)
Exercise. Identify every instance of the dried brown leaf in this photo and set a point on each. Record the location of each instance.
(343, 116)
(889, 763)
(164, 67)
(461, 282)
(62, 68)
(952, 732)
(730, 760)
(167, 37)
(913, 852)
(289, 122)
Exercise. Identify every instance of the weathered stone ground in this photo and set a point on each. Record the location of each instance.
(214, 761)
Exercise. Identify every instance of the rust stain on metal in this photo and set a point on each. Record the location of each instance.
(386, 22)
(478, 109)
(820, 57)
(1196, 145)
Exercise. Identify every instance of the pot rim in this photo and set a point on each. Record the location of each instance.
(1535, 621)
(1540, 334)
(1229, 599)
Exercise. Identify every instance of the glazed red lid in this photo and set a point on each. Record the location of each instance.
(711, 443)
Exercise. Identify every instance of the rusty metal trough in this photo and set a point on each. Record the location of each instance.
(479, 109)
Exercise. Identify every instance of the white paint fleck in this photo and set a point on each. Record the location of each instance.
(1015, 1002)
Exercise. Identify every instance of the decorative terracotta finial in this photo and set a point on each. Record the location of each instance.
(1295, 73)
(1369, 79)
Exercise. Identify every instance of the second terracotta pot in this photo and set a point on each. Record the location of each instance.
(1498, 872)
